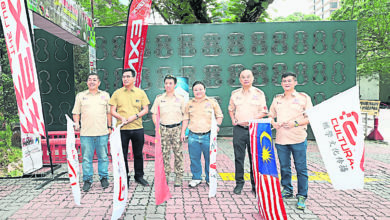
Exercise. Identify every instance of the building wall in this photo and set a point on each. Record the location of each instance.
(324, 8)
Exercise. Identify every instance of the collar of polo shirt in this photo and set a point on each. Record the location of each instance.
(293, 93)
(200, 100)
(98, 91)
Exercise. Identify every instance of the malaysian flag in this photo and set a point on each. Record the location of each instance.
(269, 198)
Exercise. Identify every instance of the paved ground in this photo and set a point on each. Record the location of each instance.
(20, 200)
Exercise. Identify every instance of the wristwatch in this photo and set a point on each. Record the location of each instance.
(296, 124)
(136, 115)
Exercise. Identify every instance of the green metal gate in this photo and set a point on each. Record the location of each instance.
(54, 61)
(323, 54)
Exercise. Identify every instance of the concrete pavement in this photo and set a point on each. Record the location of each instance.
(20, 200)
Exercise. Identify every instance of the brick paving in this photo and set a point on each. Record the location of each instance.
(19, 198)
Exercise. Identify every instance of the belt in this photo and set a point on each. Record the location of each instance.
(244, 127)
(204, 133)
(171, 126)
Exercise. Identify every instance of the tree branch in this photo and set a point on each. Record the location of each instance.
(154, 5)
(200, 11)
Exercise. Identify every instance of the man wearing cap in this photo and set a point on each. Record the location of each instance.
(92, 107)
(171, 115)
(291, 123)
(246, 103)
(128, 105)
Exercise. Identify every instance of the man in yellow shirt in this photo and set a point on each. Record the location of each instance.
(128, 105)
(93, 109)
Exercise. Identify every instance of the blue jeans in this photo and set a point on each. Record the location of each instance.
(299, 154)
(198, 144)
(88, 146)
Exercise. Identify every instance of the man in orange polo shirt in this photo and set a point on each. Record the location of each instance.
(91, 106)
(246, 103)
(197, 116)
(289, 110)
(171, 115)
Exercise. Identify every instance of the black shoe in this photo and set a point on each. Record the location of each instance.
(87, 186)
(142, 181)
(104, 182)
(238, 188)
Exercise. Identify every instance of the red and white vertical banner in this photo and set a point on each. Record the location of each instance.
(72, 160)
(213, 157)
(137, 29)
(161, 189)
(119, 173)
(21, 58)
(337, 126)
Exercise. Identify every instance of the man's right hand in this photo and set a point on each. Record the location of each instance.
(124, 120)
(77, 126)
(276, 125)
(183, 136)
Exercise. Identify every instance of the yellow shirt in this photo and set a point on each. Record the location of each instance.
(199, 114)
(93, 110)
(171, 108)
(290, 109)
(128, 103)
(247, 106)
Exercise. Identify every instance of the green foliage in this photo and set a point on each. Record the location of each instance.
(106, 13)
(112, 13)
(6, 134)
(373, 41)
(298, 16)
(11, 162)
(8, 105)
(81, 67)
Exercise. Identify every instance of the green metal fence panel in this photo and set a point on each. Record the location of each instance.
(322, 53)
(54, 61)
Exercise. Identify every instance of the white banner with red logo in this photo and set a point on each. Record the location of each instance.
(72, 160)
(136, 36)
(32, 152)
(213, 157)
(21, 58)
(119, 173)
(337, 127)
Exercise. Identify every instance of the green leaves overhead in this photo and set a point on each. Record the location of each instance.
(373, 45)
(112, 13)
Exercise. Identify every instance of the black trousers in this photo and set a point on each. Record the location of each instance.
(137, 142)
(241, 142)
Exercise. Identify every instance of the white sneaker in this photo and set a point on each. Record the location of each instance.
(194, 183)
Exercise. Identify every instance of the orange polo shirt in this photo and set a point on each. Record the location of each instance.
(290, 109)
(198, 112)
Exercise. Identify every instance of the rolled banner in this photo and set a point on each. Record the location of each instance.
(119, 173)
(72, 160)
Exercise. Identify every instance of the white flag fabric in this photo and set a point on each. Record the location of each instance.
(337, 127)
(213, 157)
(72, 160)
(119, 172)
